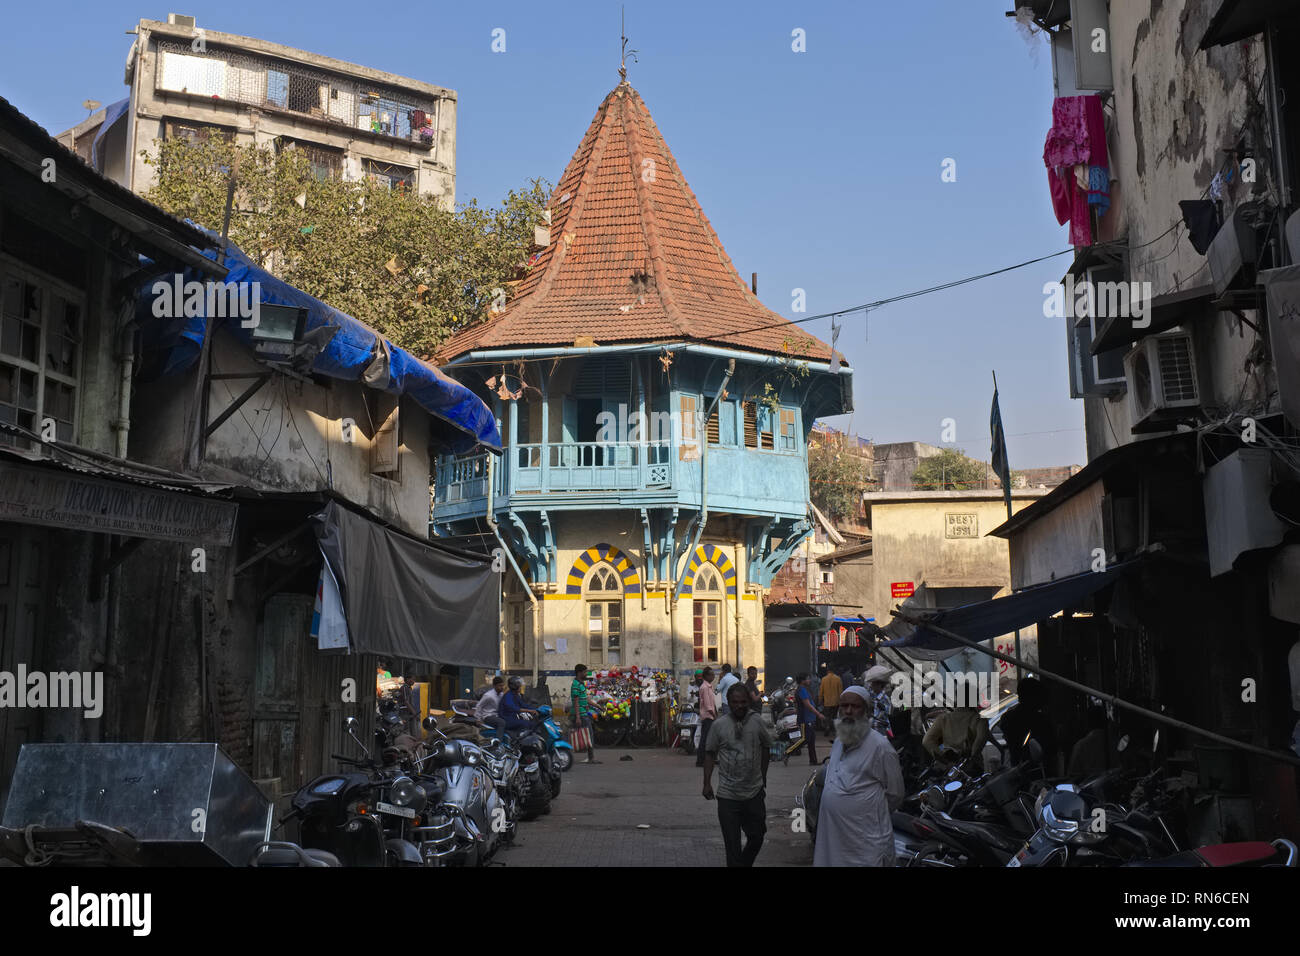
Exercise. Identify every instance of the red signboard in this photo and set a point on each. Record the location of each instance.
(902, 589)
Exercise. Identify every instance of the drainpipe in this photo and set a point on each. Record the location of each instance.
(126, 366)
(703, 514)
(645, 565)
(532, 598)
(740, 593)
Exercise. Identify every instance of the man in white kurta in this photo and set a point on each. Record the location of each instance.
(864, 783)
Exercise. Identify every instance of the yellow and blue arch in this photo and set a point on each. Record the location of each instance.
(711, 554)
(604, 552)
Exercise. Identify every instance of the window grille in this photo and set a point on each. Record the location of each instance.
(40, 352)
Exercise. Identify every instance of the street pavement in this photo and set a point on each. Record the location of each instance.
(648, 811)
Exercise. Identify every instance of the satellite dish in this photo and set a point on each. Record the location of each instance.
(91, 105)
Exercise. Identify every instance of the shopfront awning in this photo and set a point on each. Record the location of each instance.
(986, 620)
(403, 597)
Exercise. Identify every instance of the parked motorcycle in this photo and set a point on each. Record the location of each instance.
(1079, 827)
(365, 815)
(470, 819)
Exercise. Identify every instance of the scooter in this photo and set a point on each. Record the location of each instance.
(470, 819)
(563, 750)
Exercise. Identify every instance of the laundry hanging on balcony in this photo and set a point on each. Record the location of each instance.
(1078, 166)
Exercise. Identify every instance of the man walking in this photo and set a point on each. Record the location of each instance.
(724, 685)
(581, 709)
(751, 685)
(808, 715)
(740, 745)
(864, 784)
(708, 712)
(828, 695)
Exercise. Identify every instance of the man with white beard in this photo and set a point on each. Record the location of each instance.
(864, 783)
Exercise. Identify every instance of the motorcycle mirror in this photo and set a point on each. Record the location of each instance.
(952, 786)
(1122, 745)
(351, 725)
(1035, 750)
(430, 723)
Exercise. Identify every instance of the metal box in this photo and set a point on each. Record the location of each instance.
(187, 804)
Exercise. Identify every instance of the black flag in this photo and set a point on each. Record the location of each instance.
(999, 451)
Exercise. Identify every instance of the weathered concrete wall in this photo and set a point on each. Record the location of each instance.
(894, 464)
(910, 543)
(1176, 110)
(1059, 543)
(287, 437)
(854, 583)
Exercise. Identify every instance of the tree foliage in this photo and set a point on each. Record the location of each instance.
(837, 480)
(949, 470)
(396, 260)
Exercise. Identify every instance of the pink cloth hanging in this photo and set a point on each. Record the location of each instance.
(1077, 138)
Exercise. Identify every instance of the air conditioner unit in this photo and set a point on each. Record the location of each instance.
(1163, 383)
(180, 20)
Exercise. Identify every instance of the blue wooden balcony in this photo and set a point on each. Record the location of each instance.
(580, 469)
(585, 475)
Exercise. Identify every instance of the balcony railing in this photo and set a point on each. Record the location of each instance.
(591, 466)
(558, 467)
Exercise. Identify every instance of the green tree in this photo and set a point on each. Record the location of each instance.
(396, 260)
(949, 470)
(837, 480)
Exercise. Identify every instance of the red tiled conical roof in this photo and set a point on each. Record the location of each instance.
(632, 257)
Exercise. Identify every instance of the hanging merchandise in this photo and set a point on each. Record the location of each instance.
(613, 691)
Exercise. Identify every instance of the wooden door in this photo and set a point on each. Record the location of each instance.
(282, 640)
(23, 567)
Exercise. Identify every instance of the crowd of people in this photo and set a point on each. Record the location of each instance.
(864, 780)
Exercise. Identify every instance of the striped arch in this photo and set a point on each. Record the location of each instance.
(711, 554)
(604, 552)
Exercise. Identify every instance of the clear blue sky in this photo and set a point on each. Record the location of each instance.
(820, 170)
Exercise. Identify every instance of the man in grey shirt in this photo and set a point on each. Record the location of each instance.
(740, 745)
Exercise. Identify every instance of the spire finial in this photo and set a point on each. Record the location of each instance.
(622, 63)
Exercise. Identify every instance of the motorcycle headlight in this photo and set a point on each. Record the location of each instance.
(405, 792)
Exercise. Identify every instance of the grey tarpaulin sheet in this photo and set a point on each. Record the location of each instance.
(405, 598)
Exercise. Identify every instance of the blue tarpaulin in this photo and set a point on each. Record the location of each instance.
(352, 352)
(986, 620)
